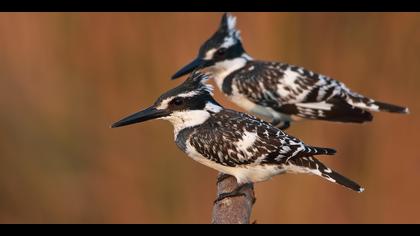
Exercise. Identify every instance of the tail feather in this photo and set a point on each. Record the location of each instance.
(314, 166)
(372, 105)
(391, 108)
(335, 177)
(321, 150)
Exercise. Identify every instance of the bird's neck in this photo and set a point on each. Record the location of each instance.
(192, 118)
(222, 69)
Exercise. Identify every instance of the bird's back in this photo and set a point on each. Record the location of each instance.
(265, 82)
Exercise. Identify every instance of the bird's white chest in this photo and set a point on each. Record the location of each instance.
(220, 72)
(224, 68)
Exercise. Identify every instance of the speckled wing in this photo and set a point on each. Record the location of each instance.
(295, 91)
(232, 138)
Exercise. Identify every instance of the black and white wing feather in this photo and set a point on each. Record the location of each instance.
(232, 138)
(296, 91)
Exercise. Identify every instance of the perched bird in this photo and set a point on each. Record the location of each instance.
(232, 142)
(276, 91)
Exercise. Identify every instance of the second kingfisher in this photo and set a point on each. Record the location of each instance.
(278, 91)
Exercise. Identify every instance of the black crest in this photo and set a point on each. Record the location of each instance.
(227, 29)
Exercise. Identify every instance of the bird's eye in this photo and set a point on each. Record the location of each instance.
(178, 101)
(221, 51)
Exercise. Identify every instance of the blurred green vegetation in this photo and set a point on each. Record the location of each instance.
(65, 77)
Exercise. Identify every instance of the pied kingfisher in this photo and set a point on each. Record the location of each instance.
(232, 142)
(278, 92)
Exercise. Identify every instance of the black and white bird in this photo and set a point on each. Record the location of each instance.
(278, 92)
(232, 142)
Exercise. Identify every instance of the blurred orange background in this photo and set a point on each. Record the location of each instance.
(65, 77)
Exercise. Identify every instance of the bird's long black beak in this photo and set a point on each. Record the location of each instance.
(148, 114)
(198, 62)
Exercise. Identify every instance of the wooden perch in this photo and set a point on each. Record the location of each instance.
(233, 210)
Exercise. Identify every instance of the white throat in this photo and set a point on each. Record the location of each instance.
(222, 69)
(185, 119)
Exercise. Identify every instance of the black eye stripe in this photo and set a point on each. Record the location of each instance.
(177, 101)
(221, 51)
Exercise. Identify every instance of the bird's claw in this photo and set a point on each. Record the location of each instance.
(228, 195)
(222, 177)
(235, 193)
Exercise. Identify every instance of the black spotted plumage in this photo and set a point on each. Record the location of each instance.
(296, 91)
(220, 132)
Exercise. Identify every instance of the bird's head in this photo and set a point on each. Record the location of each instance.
(224, 45)
(187, 105)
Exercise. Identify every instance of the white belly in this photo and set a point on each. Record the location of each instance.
(243, 174)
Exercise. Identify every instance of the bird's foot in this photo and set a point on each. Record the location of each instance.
(284, 125)
(235, 193)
